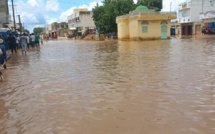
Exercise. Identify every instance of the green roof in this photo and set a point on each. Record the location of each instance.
(142, 8)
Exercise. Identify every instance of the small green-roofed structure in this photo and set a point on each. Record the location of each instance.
(143, 24)
(142, 8)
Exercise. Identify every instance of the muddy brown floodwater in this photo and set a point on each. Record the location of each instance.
(148, 87)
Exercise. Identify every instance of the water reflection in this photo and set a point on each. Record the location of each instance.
(164, 86)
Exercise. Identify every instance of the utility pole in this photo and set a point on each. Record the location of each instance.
(202, 6)
(14, 21)
(20, 24)
(170, 6)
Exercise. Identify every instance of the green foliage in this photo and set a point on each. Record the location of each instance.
(38, 30)
(26, 31)
(157, 5)
(105, 16)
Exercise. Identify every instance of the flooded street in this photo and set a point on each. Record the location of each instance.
(149, 87)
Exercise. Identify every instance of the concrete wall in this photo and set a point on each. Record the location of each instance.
(133, 26)
(123, 29)
(132, 29)
(3, 17)
(86, 21)
(4, 13)
(154, 30)
(197, 7)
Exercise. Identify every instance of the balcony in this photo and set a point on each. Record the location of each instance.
(185, 5)
(184, 19)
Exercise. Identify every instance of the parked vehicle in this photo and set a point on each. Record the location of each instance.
(71, 35)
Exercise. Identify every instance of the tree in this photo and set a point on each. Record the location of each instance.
(26, 31)
(38, 30)
(105, 16)
(156, 5)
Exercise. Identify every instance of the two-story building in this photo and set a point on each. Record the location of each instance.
(4, 13)
(189, 15)
(208, 17)
(60, 28)
(81, 20)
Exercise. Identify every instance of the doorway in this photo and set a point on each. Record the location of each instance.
(164, 30)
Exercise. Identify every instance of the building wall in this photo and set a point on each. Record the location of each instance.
(191, 12)
(81, 20)
(154, 30)
(133, 29)
(4, 12)
(197, 7)
(57, 26)
(133, 26)
(86, 20)
(74, 19)
(123, 29)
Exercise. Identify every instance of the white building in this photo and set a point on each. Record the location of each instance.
(189, 15)
(4, 13)
(207, 17)
(47, 29)
(81, 20)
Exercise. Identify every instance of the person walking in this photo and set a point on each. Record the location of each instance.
(37, 40)
(41, 39)
(3, 54)
(18, 46)
(12, 43)
(24, 42)
(32, 40)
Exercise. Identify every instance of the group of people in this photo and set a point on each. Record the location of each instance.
(15, 42)
(22, 42)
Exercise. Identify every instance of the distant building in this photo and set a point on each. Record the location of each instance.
(189, 15)
(144, 24)
(4, 13)
(11, 25)
(60, 28)
(47, 29)
(81, 20)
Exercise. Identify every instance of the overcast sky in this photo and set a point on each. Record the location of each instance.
(41, 12)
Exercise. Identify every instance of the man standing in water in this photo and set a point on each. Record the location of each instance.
(12, 43)
(24, 42)
(32, 40)
(37, 40)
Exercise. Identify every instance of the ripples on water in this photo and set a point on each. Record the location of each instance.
(152, 87)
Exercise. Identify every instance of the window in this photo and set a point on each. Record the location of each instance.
(144, 26)
(164, 22)
(144, 29)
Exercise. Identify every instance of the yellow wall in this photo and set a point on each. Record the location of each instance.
(123, 29)
(131, 28)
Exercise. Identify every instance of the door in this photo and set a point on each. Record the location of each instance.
(163, 31)
(198, 29)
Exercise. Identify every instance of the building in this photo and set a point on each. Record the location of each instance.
(4, 13)
(81, 21)
(189, 15)
(47, 29)
(60, 28)
(142, 24)
(208, 22)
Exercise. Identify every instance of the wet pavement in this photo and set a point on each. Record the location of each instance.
(74, 87)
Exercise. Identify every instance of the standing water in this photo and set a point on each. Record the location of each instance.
(149, 87)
